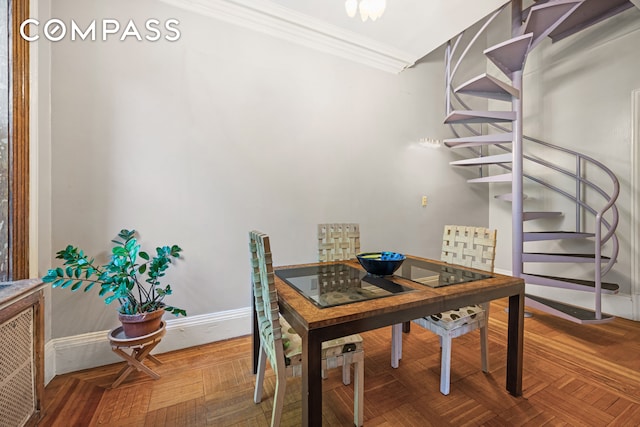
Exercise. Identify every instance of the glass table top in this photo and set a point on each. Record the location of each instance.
(337, 284)
(436, 275)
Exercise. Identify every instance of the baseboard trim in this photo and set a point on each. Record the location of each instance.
(74, 353)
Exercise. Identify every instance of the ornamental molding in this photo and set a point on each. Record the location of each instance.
(270, 18)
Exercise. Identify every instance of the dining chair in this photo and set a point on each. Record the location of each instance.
(338, 242)
(283, 346)
(468, 247)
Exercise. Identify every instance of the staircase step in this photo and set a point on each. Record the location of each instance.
(544, 18)
(565, 311)
(487, 160)
(470, 116)
(535, 236)
(474, 141)
(588, 14)
(487, 86)
(528, 216)
(505, 177)
(508, 197)
(561, 257)
(510, 55)
(569, 283)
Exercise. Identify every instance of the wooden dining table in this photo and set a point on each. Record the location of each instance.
(316, 324)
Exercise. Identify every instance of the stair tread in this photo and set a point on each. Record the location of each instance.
(544, 213)
(490, 87)
(527, 216)
(486, 160)
(553, 235)
(566, 254)
(473, 116)
(510, 55)
(505, 177)
(584, 17)
(543, 257)
(577, 314)
(589, 283)
(476, 140)
(546, 17)
(509, 197)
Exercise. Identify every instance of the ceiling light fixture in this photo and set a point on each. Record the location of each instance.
(368, 8)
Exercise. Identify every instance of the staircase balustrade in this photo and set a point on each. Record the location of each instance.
(603, 210)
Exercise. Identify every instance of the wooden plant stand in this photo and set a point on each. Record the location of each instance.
(140, 348)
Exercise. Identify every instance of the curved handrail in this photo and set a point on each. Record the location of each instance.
(611, 199)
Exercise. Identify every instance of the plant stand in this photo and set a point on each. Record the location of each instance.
(140, 348)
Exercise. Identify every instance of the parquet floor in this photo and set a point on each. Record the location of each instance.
(573, 376)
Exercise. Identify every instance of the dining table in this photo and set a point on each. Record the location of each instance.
(324, 301)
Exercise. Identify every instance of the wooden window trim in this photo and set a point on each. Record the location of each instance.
(19, 144)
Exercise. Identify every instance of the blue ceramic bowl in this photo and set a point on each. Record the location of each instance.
(380, 263)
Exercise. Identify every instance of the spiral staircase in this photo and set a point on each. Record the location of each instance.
(503, 154)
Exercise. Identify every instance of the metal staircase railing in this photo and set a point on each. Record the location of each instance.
(604, 213)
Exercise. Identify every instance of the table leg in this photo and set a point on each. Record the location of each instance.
(515, 344)
(406, 327)
(311, 380)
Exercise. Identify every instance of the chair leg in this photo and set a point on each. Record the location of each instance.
(358, 393)
(445, 364)
(257, 394)
(278, 399)
(484, 349)
(346, 372)
(396, 345)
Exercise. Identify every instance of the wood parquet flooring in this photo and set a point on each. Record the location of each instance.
(573, 376)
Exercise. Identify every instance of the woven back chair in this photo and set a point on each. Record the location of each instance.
(338, 242)
(468, 247)
(282, 346)
(473, 247)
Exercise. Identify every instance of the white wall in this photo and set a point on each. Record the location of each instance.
(197, 142)
(577, 95)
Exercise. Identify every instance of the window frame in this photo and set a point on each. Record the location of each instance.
(18, 143)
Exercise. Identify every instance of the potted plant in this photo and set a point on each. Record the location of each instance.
(133, 283)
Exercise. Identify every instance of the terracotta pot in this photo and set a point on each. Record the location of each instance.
(138, 325)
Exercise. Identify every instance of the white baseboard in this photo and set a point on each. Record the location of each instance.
(69, 354)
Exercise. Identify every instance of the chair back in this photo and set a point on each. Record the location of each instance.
(473, 247)
(338, 242)
(266, 297)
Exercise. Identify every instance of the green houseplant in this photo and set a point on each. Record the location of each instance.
(131, 277)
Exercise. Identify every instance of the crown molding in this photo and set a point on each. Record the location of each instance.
(278, 21)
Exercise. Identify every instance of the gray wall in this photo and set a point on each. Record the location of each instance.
(197, 142)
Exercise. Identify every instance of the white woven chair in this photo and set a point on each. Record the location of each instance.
(469, 247)
(283, 347)
(338, 242)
